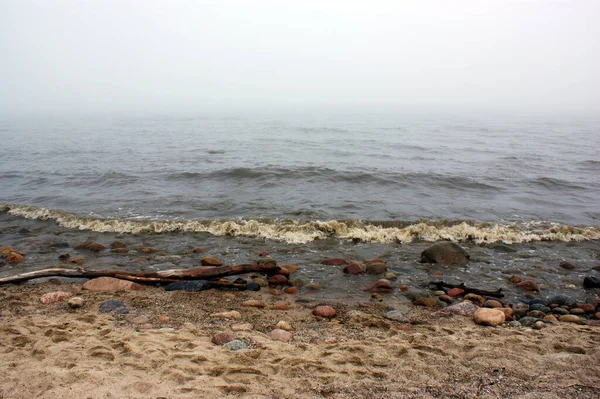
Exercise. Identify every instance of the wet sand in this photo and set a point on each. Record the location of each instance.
(50, 351)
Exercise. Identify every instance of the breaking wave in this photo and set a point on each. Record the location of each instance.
(297, 231)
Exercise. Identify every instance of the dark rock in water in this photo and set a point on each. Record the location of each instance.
(540, 307)
(354, 268)
(24, 231)
(334, 262)
(91, 246)
(60, 245)
(192, 286)
(503, 248)
(528, 321)
(538, 301)
(239, 280)
(562, 300)
(64, 256)
(376, 268)
(252, 287)
(118, 244)
(414, 294)
(113, 306)
(528, 285)
(269, 262)
(591, 282)
(446, 252)
(567, 265)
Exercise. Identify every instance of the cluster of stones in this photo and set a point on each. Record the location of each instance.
(9, 255)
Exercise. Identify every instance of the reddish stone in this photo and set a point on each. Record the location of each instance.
(119, 250)
(163, 319)
(491, 303)
(376, 261)
(147, 250)
(223, 337)
(291, 290)
(92, 246)
(6, 250)
(264, 253)
(334, 262)
(280, 335)
(110, 284)
(198, 250)
(438, 274)
(14, 257)
(78, 261)
(587, 307)
(515, 279)
(280, 306)
(275, 292)
(278, 279)
(528, 285)
(567, 265)
(324, 311)
(404, 288)
(354, 268)
(52, 297)
(290, 268)
(283, 271)
(454, 292)
(427, 302)
(382, 285)
(210, 261)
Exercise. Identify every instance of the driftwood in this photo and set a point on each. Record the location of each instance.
(163, 276)
(468, 290)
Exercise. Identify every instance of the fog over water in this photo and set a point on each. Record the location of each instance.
(199, 57)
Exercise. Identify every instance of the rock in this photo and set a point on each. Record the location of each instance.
(298, 283)
(14, 257)
(53, 297)
(253, 286)
(439, 293)
(280, 335)
(376, 268)
(445, 298)
(571, 318)
(540, 307)
(538, 325)
(119, 250)
(118, 244)
(520, 310)
(560, 311)
(577, 311)
(427, 302)
(354, 268)
(514, 324)
(536, 314)
(76, 302)
(454, 292)
(91, 246)
(64, 257)
(396, 315)
(260, 281)
(235, 345)
(210, 261)
(380, 286)
(253, 303)
(591, 282)
(463, 309)
(290, 268)
(109, 284)
(446, 252)
(269, 262)
(597, 315)
(147, 250)
(278, 279)
(264, 253)
(291, 290)
(515, 279)
(242, 327)
(163, 319)
(334, 262)
(60, 245)
(198, 250)
(138, 319)
(503, 248)
(113, 306)
(284, 272)
(223, 337)
(567, 265)
(528, 285)
(276, 292)
(527, 321)
(78, 261)
(234, 314)
(6, 250)
(562, 300)
(491, 303)
(284, 325)
(390, 276)
(508, 312)
(280, 306)
(489, 317)
(587, 307)
(313, 286)
(476, 299)
(550, 319)
(324, 311)
(403, 287)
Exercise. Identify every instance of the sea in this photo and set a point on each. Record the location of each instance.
(521, 193)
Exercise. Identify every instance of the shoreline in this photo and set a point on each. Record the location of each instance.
(55, 351)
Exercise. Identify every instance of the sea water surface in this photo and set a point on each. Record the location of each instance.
(307, 187)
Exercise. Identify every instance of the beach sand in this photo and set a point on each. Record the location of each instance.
(51, 351)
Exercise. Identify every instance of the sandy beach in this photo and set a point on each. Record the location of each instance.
(163, 348)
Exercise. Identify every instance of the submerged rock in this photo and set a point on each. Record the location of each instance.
(446, 252)
(334, 262)
(210, 261)
(591, 282)
(354, 268)
(191, 286)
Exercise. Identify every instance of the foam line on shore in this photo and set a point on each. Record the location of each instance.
(295, 231)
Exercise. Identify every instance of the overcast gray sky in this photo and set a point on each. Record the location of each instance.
(233, 55)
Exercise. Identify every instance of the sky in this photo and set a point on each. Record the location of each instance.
(78, 57)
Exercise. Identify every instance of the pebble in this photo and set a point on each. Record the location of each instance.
(242, 327)
(515, 279)
(280, 306)
(463, 309)
(113, 306)
(597, 315)
(334, 262)
(446, 298)
(562, 300)
(110, 284)
(591, 282)
(382, 285)
(491, 303)
(508, 312)
(75, 302)
(324, 311)
(190, 286)
(587, 307)
(290, 268)
(454, 292)
(560, 311)
(376, 268)
(291, 290)
(198, 250)
(53, 297)
(234, 314)
(298, 283)
(427, 302)
(540, 307)
(354, 268)
(536, 314)
(514, 324)
(223, 337)
(567, 265)
(260, 281)
(527, 321)
(119, 250)
(396, 315)
(14, 257)
(252, 286)
(276, 292)
(528, 285)
(489, 317)
(538, 325)
(280, 335)
(476, 299)
(439, 293)
(313, 286)
(284, 325)
(78, 261)
(520, 310)
(147, 250)
(577, 311)
(390, 276)
(571, 318)
(210, 261)
(550, 319)
(253, 303)
(403, 288)
(163, 319)
(278, 279)
(91, 246)
(235, 345)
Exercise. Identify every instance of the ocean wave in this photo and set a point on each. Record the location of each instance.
(297, 231)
